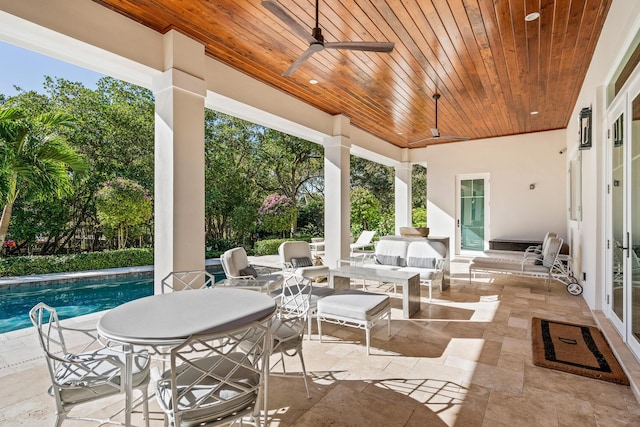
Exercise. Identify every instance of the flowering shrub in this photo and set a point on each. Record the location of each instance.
(277, 213)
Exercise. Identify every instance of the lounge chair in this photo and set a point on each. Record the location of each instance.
(235, 264)
(295, 257)
(364, 241)
(547, 266)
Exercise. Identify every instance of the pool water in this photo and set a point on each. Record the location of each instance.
(72, 299)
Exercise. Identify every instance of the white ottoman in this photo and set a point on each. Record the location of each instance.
(354, 308)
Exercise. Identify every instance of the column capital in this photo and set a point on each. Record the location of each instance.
(177, 79)
(341, 125)
(403, 166)
(337, 141)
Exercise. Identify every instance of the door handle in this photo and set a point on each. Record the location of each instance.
(627, 248)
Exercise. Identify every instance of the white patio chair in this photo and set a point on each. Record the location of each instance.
(289, 324)
(295, 257)
(235, 264)
(92, 372)
(217, 378)
(364, 241)
(536, 251)
(187, 280)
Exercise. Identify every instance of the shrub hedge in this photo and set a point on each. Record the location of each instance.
(27, 265)
(268, 246)
(42, 264)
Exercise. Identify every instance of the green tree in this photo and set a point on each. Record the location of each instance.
(36, 160)
(114, 132)
(122, 205)
(231, 197)
(291, 166)
(376, 178)
(419, 187)
(365, 211)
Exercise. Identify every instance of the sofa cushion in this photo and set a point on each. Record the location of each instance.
(421, 262)
(388, 259)
(301, 262)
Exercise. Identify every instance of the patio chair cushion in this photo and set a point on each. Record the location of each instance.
(249, 271)
(77, 380)
(223, 401)
(354, 304)
(301, 262)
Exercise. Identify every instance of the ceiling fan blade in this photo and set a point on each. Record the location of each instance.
(454, 138)
(289, 21)
(440, 139)
(298, 62)
(364, 46)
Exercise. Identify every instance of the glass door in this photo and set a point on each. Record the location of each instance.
(471, 222)
(623, 243)
(618, 240)
(633, 282)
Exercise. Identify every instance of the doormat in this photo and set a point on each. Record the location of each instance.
(578, 349)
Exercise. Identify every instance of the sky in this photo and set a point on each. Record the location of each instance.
(27, 69)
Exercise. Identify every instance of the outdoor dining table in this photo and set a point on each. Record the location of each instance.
(168, 319)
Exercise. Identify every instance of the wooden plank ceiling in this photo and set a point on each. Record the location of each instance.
(492, 68)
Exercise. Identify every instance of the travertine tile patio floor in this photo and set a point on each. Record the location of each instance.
(464, 360)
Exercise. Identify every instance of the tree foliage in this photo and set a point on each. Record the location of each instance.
(277, 214)
(365, 211)
(113, 130)
(122, 205)
(36, 160)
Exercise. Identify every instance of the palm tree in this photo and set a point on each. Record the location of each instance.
(35, 161)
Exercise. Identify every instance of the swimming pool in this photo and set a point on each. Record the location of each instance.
(73, 299)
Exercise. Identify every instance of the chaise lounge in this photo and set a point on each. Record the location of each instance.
(546, 265)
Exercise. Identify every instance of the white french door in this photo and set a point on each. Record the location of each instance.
(623, 212)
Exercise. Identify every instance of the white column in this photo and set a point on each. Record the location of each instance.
(403, 195)
(337, 202)
(179, 159)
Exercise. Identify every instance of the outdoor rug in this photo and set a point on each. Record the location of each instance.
(578, 349)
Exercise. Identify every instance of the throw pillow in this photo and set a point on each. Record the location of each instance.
(388, 259)
(421, 262)
(249, 271)
(301, 262)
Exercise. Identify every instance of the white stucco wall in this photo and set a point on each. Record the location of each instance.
(514, 162)
(589, 235)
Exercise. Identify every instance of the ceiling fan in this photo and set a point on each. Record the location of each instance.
(435, 132)
(316, 40)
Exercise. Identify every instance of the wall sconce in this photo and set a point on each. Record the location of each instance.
(532, 186)
(585, 128)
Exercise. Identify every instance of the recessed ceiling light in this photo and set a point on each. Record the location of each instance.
(533, 113)
(399, 133)
(532, 16)
(313, 81)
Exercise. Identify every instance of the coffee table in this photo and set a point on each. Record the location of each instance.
(340, 278)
